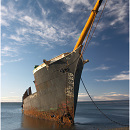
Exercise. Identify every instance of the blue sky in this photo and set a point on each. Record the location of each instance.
(33, 30)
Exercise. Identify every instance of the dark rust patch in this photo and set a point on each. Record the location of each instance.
(65, 118)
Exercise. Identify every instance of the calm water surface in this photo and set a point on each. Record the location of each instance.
(87, 117)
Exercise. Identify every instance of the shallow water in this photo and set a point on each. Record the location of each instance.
(87, 117)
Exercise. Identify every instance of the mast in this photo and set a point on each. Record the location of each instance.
(88, 24)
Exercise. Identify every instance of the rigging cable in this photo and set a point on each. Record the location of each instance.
(85, 46)
(100, 109)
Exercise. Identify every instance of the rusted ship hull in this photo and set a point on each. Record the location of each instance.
(57, 86)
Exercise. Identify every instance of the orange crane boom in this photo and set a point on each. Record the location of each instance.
(88, 24)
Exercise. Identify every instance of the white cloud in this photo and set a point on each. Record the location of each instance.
(124, 75)
(94, 43)
(9, 51)
(11, 99)
(110, 93)
(3, 35)
(104, 97)
(4, 22)
(7, 48)
(124, 72)
(12, 92)
(44, 12)
(28, 20)
(21, 31)
(33, 29)
(83, 97)
(12, 60)
(111, 96)
(71, 4)
(4, 10)
(8, 13)
(117, 11)
(39, 30)
(116, 8)
(16, 38)
(101, 26)
(16, 0)
(104, 37)
(46, 31)
(102, 67)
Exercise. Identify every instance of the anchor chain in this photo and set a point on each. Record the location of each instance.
(100, 109)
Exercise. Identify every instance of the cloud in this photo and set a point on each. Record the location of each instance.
(101, 26)
(124, 75)
(32, 29)
(43, 11)
(104, 37)
(28, 20)
(105, 97)
(71, 4)
(39, 30)
(8, 14)
(117, 11)
(21, 31)
(110, 93)
(9, 51)
(94, 43)
(16, 38)
(101, 67)
(3, 35)
(12, 92)
(12, 60)
(111, 96)
(11, 99)
(47, 32)
(83, 97)
(4, 23)
(4, 13)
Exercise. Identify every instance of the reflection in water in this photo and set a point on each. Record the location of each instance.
(33, 123)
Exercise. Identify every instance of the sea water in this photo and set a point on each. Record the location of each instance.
(87, 117)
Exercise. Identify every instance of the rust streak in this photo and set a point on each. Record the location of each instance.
(65, 118)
